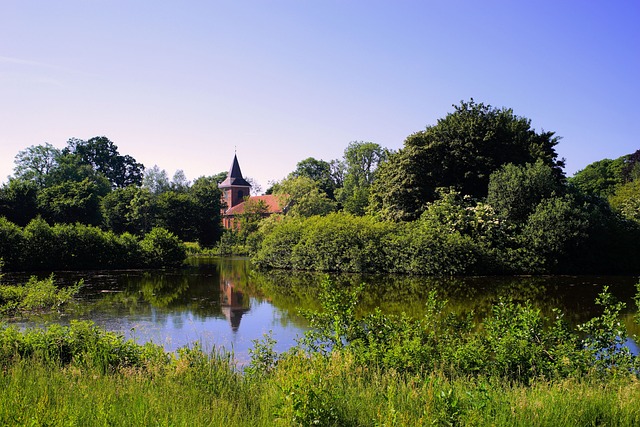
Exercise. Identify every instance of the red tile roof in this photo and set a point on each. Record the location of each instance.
(270, 200)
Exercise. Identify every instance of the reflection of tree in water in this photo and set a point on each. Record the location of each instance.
(161, 290)
(574, 296)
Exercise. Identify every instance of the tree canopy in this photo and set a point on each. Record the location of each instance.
(460, 151)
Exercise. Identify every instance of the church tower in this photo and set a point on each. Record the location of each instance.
(235, 188)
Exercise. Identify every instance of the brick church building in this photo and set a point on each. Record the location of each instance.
(236, 192)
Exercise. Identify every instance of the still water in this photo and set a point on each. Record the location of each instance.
(222, 302)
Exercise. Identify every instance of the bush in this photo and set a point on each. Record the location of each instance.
(162, 248)
(40, 246)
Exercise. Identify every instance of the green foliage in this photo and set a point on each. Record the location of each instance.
(162, 248)
(599, 178)
(605, 338)
(515, 191)
(207, 202)
(103, 157)
(73, 201)
(361, 162)
(319, 171)
(18, 201)
(40, 246)
(460, 151)
(553, 234)
(116, 207)
(518, 367)
(35, 295)
(263, 357)
(626, 200)
(516, 342)
(176, 212)
(34, 163)
(301, 196)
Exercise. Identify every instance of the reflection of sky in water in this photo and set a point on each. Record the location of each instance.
(211, 302)
(173, 330)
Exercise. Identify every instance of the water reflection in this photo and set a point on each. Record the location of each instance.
(223, 302)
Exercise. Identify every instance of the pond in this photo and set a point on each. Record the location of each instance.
(222, 302)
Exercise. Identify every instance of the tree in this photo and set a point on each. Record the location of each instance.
(179, 182)
(36, 162)
(302, 197)
(208, 204)
(600, 178)
(553, 234)
(255, 210)
(460, 151)
(177, 213)
(102, 155)
(515, 191)
(18, 201)
(73, 201)
(361, 161)
(116, 207)
(318, 171)
(156, 180)
(626, 200)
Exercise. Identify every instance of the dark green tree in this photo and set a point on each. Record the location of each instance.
(73, 201)
(176, 212)
(103, 156)
(460, 151)
(208, 202)
(18, 201)
(117, 208)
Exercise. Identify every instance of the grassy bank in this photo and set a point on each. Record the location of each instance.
(300, 391)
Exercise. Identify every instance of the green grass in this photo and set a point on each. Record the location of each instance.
(300, 391)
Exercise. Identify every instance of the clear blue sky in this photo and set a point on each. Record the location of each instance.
(180, 84)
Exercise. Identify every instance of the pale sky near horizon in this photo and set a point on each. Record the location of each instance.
(182, 84)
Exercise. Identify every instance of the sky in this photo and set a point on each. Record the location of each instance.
(184, 85)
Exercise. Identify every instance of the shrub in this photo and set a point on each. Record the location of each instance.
(162, 248)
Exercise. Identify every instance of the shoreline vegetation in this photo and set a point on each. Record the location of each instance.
(41, 247)
(516, 367)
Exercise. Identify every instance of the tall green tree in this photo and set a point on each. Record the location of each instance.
(34, 163)
(319, 171)
(156, 180)
(117, 210)
(361, 161)
(460, 151)
(302, 196)
(208, 203)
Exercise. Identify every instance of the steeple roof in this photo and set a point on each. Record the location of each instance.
(234, 177)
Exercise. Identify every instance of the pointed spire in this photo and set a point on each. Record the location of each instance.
(234, 177)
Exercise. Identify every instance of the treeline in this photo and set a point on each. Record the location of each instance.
(480, 192)
(91, 183)
(40, 246)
